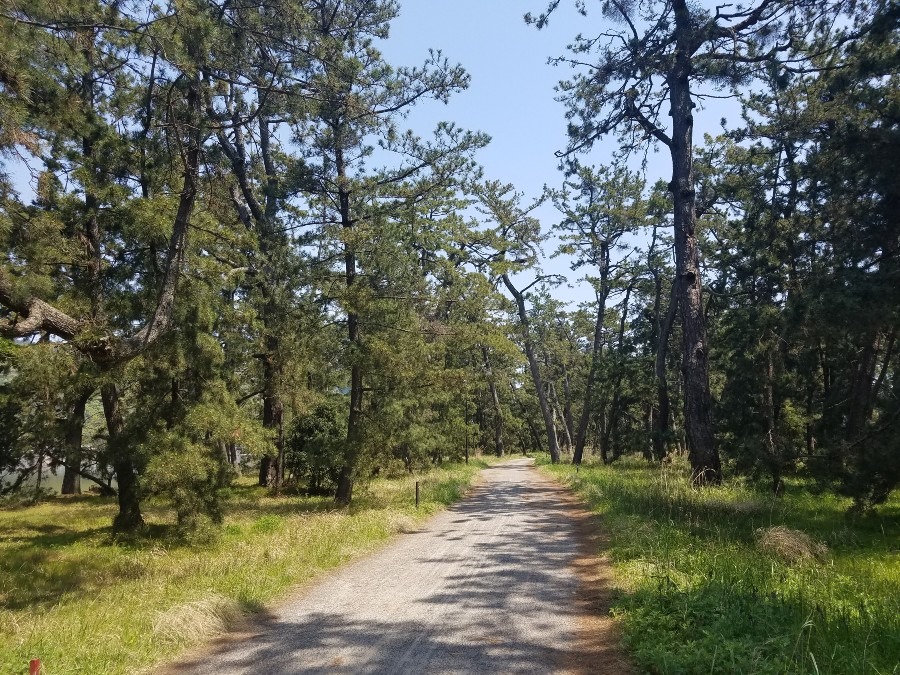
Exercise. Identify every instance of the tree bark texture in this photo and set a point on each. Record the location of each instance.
(129, 518)
(613, 417)
(558, 412)
(567, 405)
(71, 484)
(704, 457)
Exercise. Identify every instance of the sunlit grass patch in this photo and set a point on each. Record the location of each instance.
(730, 579)
(84, 603)
(198, 619)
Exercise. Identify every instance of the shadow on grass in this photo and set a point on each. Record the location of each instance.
(707, 598)
(35, 575)
(48, 536)
(64, 548)
(717, 627)
(715, 515)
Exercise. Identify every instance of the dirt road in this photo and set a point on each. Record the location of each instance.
(492, 585)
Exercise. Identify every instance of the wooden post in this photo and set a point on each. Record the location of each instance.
(466, 427)
(34, 667)
(417, 494)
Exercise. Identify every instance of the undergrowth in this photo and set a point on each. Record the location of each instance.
(732, 580)
(85, 603)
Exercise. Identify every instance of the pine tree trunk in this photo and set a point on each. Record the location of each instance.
(603, 438)
(261, 216)
(596, 351)
(271, 470)
(90, 237)
(613, 423)
(567, 406)
(536, 443)
(661, 419)
(863, 384)
(558, 413)
(533, 366)
(41, 458)
(71, 484)
(265, 470)
(885, 365)
(267, 465)
(354, 420)
(495, 400)
(129, 518)
(704, 457)
(810, 436)
(771, 442)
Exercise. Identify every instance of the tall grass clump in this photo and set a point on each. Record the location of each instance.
(85, 603)
(732, 580)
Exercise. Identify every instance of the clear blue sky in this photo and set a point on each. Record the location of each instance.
(511, 96)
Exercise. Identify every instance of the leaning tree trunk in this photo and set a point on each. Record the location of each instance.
(705, 464)
(102, 345)
(129, 518)
(546, 412)
(567, 405)
(596, 350)
(558, 411)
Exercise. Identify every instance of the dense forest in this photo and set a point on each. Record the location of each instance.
(237, 257)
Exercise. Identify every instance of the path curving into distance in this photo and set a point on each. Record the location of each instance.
(501, 582)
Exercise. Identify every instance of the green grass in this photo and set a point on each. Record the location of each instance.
(700, 594)
(83, 603)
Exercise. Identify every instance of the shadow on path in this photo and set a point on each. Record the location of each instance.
(492, 585)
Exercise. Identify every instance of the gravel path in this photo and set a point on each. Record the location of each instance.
(488, 586)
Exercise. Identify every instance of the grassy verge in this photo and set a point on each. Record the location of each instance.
(724, 580)
(84, 604)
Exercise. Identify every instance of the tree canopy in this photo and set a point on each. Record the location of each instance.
(238, 257)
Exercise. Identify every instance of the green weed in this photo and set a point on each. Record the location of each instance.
(732, 580)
